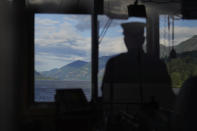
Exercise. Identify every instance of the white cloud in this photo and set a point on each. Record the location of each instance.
(62, 35)
(111, 46)
(181, 34)
(45, 21)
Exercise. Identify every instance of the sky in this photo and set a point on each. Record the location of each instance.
(62, 39)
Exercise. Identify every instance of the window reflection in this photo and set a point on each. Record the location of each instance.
(184, 65)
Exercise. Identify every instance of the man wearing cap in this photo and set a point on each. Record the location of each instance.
(134, 77)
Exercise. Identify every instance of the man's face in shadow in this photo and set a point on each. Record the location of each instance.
(133, 41)
(133, 35)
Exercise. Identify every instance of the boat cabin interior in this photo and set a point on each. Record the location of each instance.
(64, 66)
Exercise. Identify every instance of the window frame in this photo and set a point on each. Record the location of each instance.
(31, 50)
(30, 106)
(28, 58)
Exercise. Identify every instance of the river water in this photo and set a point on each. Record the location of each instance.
(45, 90)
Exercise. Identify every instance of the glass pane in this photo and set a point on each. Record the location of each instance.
(184, 65)
(62, 54)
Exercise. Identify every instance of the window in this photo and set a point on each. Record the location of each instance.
(62, 54)
(184, 65)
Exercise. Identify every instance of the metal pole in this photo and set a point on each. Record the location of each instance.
(153, 47)
(94, 56)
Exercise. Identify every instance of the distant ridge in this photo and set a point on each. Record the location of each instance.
(76, 64)
(77, 70)
(39, 76)
(185, 46)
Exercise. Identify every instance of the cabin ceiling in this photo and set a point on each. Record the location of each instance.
(60, 6)
(118, 8)
(112, 8)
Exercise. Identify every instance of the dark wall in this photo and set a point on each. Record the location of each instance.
(8, 68)
(11, 41)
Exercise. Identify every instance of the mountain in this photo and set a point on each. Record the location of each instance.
(77, 64)
(49, 73)
(77, 70)
(185, 46)
(39, 76)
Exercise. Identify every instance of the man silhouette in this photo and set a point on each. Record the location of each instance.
(134, 77)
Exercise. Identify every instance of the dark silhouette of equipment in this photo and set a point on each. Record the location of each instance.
(136, 10)
(189, 10)
(173, 53)
(73, 112)
(184, 118)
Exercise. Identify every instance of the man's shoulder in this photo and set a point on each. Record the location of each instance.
(153, 60)
(117, 57)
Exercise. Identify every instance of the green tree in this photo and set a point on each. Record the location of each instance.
(176, 80)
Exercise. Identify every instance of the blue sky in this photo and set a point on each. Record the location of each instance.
(61, 39)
